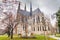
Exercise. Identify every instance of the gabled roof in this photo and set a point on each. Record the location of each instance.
(36, 11)
(23, 12)
(26, 13)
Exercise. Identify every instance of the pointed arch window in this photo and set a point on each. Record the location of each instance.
(34, 29)
(38, 28)
(24, 27)
(44, 29)
(22, 19)
(48, 28)
(33, 21)
(38, 19)
(26, 19)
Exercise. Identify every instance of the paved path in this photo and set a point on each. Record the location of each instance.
(53, 36)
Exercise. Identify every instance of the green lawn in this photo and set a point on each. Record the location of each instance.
(57, 35)
(38, 37)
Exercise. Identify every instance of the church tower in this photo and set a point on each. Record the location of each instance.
(30, 9)
(17, 16)
(25, 7)
(18, 8)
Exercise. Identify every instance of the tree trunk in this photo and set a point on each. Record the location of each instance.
(12, 33)
(8, 33)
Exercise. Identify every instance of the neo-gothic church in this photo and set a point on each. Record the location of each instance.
(32, 22)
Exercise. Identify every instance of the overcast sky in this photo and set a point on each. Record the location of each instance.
(48, 7)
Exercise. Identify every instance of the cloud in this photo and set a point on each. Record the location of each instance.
(47, 6)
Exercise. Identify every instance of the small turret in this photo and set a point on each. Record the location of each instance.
(18, 8)
(25, 7)
(30, 9)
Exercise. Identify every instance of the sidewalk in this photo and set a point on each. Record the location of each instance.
(53, 36)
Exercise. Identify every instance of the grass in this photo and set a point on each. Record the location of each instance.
(57, 35)
(38, 37)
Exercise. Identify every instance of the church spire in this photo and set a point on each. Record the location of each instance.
(18, 8)
(25, 7)
(30, 9)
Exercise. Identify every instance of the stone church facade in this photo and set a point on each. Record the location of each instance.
(32, 22)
